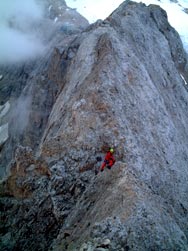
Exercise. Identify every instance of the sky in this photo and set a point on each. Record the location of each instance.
(100, 9)
(19, 41)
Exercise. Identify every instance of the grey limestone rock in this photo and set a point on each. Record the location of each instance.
(116, 83)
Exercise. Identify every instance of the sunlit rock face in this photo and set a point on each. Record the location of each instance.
(117, 83)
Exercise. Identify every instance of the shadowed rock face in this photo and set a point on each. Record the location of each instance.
(32, 87)
(116, 84)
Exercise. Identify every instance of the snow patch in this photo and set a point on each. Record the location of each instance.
(93, 10)
(3, 133)
(49, 8)
(101, 9)
(183, 79)
(4, 109)
(55, 19)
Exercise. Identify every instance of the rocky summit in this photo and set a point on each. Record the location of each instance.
(117, 83)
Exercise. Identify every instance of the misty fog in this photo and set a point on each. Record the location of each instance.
(19, 38)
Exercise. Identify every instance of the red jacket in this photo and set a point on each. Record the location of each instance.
(109, 158)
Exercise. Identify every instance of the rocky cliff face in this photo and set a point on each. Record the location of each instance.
(31, 88)
(115, 83)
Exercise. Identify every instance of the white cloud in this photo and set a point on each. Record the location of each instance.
(19, 39)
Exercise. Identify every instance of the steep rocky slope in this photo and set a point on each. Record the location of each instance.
(31, 88)
(117, 83)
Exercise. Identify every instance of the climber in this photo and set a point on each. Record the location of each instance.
(109, 160)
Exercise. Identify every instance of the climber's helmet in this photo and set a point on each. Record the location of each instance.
(111, 150)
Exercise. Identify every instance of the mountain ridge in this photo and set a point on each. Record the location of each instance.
(117, 83)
